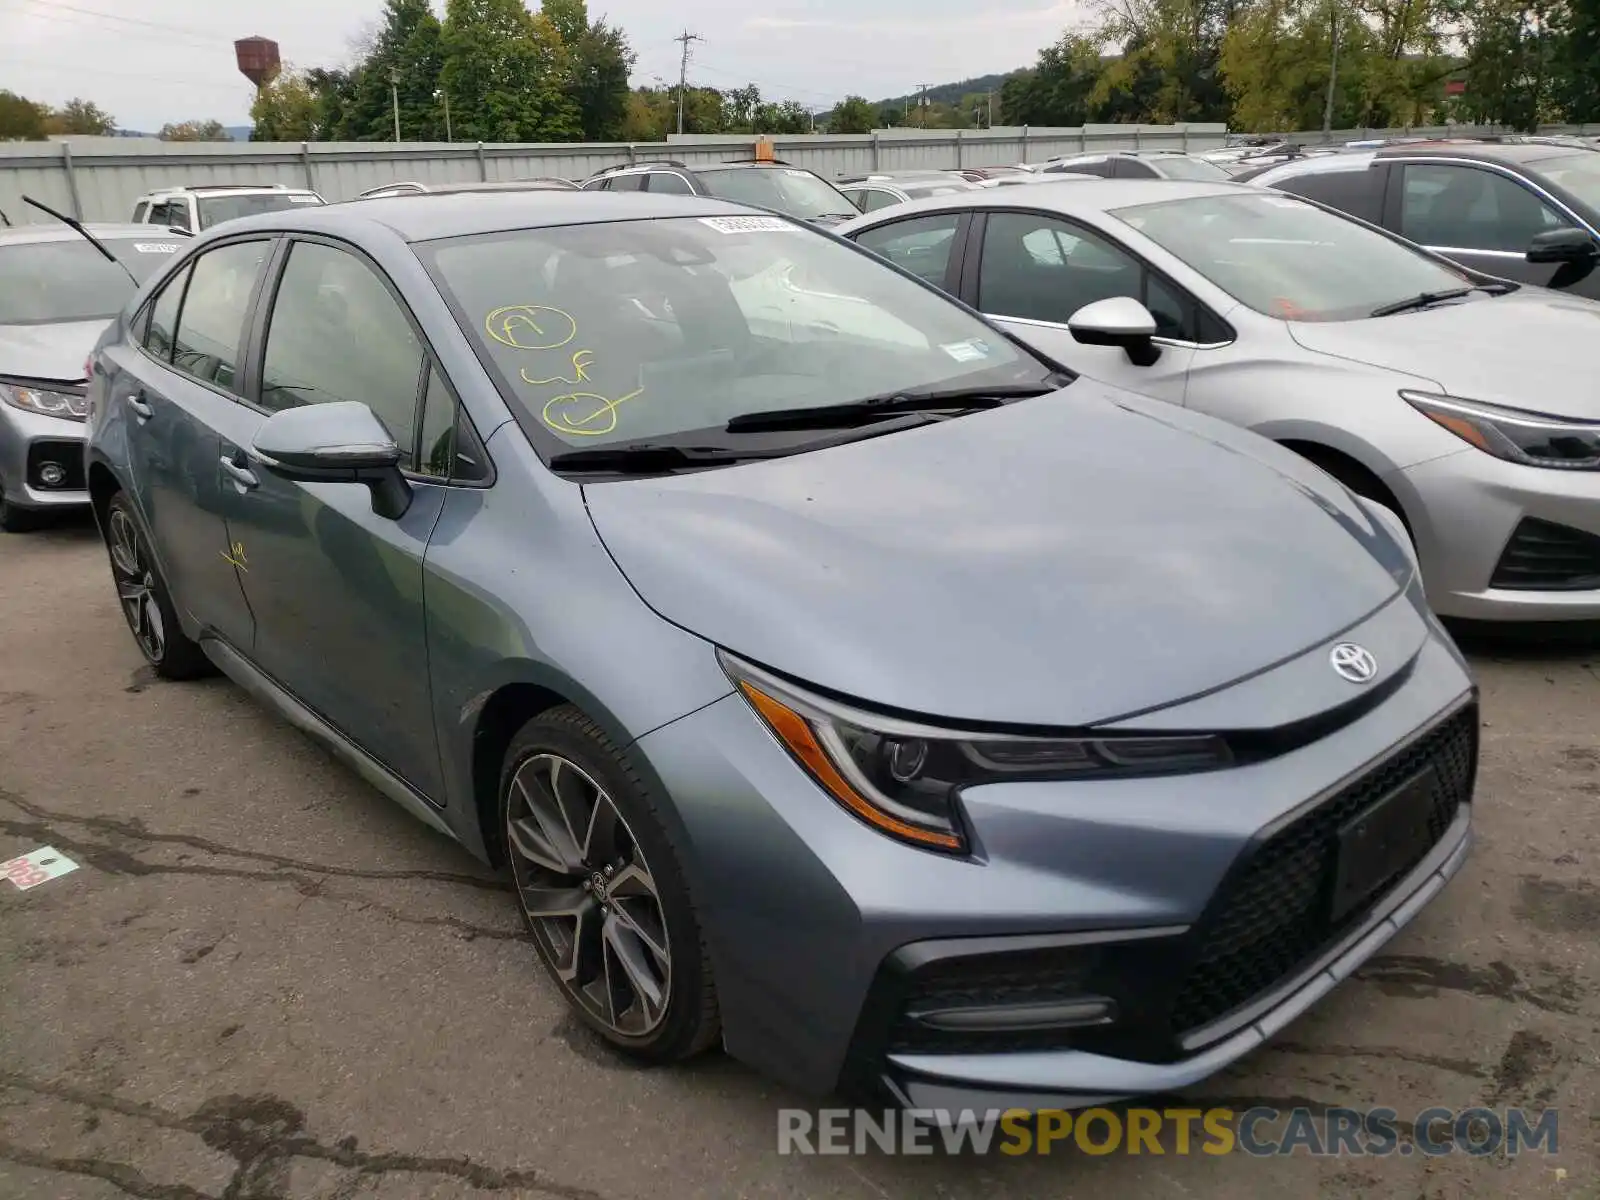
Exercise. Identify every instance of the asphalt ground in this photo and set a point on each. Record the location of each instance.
(266, 981)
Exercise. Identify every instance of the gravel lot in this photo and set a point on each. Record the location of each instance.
(267, 981)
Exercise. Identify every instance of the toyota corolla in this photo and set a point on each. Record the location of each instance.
(895, 712)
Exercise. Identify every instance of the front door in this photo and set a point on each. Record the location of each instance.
(174, 397)
(336, 589)
(1035, 270)
(1484, 220)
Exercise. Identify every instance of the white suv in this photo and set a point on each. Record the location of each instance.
(195, 208)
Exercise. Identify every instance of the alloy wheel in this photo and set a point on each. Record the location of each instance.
(589, 895)
(136, 586)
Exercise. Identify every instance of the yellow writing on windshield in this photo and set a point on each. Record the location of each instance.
(531, 326)
(580, 362)
(585, 414)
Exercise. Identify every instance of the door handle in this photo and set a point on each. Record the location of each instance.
(243, 477)
(140, 409)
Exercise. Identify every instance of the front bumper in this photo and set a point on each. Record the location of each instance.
(1484, 533)
(821, 929)
(28, 441)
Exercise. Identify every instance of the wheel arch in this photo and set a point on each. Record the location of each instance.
(1350, 471)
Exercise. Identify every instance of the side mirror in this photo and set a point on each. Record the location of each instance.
(1119, 321)
(1562, 246)
(335, 443)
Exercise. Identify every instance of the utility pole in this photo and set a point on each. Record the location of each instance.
(1333, 76)
(442, 94)
(922, 104)
(991, 111)
(683, 71)
(394, 98)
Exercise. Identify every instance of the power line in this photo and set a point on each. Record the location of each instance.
(57, 9)
(145, 76)
(683, 71)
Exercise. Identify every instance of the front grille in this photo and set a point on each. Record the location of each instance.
(67, 455)
(1545, 557)
(1271, 914)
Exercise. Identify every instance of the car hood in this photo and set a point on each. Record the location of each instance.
(55, 351)
(1061, 561)
(1532, 349)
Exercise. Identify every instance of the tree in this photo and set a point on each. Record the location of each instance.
(1057, 90)
(333, 94)
(740, 109)
(853, 114)
(404, 63)
(503, 70)
(20, 118)
(787, 116)
(599, 65)
(285, 110)
(80, 116)
(1576, 84)
(195, 131)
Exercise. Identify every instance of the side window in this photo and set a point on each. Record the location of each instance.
(141, 212)
(336, 333)
(626, 183)
(857, 197)
(1471, 209)
(1042, 269)
(598, 185)
(921, 245)
(878, 198)
(1087, 166)
(1170, 308)
(669, 181)
(211, 321)
(176, 215)
(164, 317)
(1132, 168)
(449, 449)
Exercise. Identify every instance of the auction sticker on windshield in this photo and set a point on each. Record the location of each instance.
(156, 247)
(749, 224)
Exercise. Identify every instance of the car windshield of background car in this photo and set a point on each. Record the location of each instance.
(630, 330)
(798, 193)
(71, 281)
(225, 208)
(1287, 258)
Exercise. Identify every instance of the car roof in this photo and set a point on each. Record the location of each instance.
(1075, 196)
(1514, 152)
(61, 233)
(225, 189)
(432, 215)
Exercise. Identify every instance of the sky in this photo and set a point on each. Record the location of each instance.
(172, 60)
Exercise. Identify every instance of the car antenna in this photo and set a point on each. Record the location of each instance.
(77, 227)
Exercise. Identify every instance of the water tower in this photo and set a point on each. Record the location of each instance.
(258, 60)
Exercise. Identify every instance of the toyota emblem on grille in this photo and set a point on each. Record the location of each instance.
(1354, 662)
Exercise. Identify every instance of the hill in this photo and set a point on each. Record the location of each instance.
(952, 93)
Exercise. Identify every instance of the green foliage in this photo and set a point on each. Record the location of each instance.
(80, 116)
(504, 69)
(853, 114)
(600, 61)
(285, 110)
(194, 131)
(21, 118)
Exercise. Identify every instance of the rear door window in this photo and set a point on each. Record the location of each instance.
(211, 320)
(921, 245)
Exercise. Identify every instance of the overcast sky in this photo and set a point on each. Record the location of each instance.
(172, 60)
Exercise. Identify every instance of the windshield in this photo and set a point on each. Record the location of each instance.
(1576, 173)
(69, 280)
(1286, 258)
(630, 331)
(798, 193)
(215, 209)
(1191, 168)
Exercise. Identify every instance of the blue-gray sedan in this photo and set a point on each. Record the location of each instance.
(838, 680)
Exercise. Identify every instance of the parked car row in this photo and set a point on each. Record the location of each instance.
(841, 676)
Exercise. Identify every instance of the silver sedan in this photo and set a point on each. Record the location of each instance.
(1464, 404)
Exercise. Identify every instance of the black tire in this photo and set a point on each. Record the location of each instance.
(143, 597)
(687, 1021)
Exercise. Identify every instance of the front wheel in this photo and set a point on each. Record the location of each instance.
(145, 602)
(602, 891)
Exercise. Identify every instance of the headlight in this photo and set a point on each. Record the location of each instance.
(74, 406)
(1533, 439)
(904, 778)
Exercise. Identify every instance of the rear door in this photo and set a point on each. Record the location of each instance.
(175, 392)
(1032, 271)
(336, 588)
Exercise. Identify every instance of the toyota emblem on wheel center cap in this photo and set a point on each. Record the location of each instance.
(1354, 662)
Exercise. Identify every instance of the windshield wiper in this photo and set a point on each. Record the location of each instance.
(1428, 300)
(886, 407)
(645, 458)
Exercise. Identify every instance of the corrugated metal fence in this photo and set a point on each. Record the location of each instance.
(99, 179)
